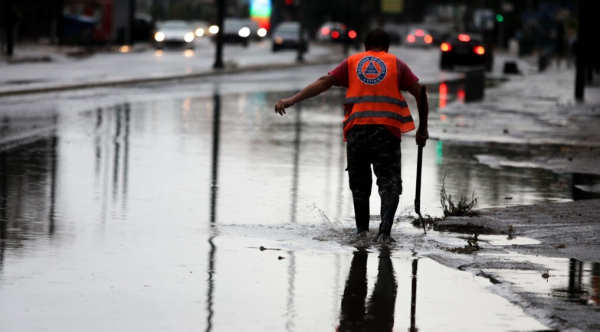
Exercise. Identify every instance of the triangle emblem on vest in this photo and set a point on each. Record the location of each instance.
(371, 69)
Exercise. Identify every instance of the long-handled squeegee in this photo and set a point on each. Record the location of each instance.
(419, 162)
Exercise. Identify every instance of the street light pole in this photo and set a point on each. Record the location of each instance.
(131, 19)
(220, 19)
(300, 54)
(9, 27)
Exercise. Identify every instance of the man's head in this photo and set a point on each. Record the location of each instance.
(377, 40)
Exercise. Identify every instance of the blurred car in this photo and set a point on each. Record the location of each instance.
(213, 29)
(236, 31)
(419, 37)
(287, 36)
(200, 28)
(256, 32)
(332, 32)
(466, 49)
(174, 33)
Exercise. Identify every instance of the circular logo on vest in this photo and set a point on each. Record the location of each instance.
(371, 70)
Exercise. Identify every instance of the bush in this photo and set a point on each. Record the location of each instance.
(452, 209)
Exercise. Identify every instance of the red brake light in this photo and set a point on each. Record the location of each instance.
(479, 50)
(335, 34)
(464, 37)
(325, 31)
(411, 38)
(445, 47)
(428, 39)
(352, 34)
(419, 33)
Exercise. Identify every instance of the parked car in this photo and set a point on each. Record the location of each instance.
(419, 37)
(466, 49)
(174, 33)
(286, 35)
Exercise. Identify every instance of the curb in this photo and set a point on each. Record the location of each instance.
(214, 72)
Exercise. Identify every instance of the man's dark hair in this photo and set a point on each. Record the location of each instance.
(377, 39)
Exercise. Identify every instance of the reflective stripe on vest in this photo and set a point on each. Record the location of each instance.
(376, 99)
(374, 93)
(378, 114)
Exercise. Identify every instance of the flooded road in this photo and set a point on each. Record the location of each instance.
(129, 210)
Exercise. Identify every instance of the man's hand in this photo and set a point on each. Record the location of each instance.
(282, 105)
(422, 136)
(320, 85)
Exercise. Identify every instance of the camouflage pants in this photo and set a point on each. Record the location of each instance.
(373, 145)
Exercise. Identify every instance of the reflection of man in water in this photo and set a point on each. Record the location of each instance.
(378, 314)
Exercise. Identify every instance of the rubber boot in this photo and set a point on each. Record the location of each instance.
(361, 210)
(389, 205)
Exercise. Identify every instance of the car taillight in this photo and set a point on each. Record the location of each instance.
(335, 34)
(479, 50)
(325, 31)
(419, 33)
(464, 37)
(352, 34)
(445, 47)
(428, 39)
(411, 38)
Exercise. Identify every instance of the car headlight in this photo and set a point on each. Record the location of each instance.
(261, 32)
(159, 36)
(213, 29)
(244, 32)
(199, 32)
(189, 37)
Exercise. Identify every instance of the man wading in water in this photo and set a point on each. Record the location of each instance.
(375, 116)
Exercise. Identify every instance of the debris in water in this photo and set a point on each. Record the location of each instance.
(263, 248)
(280, 258)
(560, 246)
(546, 275)
(510, 232)
(508, 197)
(471, 247)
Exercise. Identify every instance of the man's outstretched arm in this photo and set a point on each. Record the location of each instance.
(321, 85)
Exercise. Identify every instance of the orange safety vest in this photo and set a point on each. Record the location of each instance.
(373, 89)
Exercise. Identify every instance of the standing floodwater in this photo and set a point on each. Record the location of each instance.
(147, 212)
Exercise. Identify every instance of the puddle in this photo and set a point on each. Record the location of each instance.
(568, 280)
